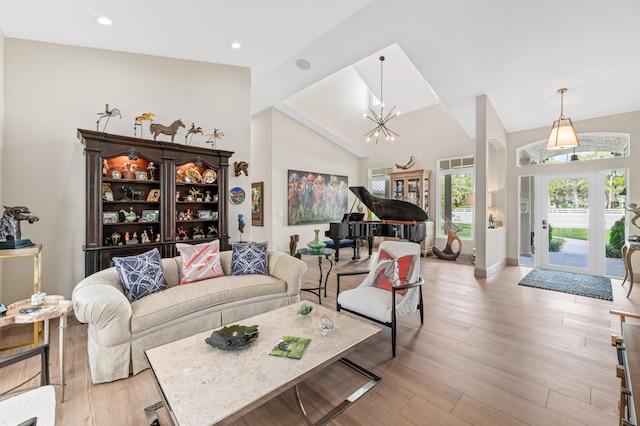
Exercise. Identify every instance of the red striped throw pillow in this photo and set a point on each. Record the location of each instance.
(200, 261)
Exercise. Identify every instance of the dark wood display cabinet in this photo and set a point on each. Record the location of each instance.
(143, 194)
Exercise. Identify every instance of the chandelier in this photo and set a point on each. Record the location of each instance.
(563, 135)
(381, 120)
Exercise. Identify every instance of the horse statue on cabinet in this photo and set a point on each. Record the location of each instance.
(10, 222)
(147, 116)
(192, 131)
(107, 113)
(170, 130)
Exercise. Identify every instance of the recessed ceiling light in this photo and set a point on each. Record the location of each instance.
(103, 20)
(303, 64)
(235, 45)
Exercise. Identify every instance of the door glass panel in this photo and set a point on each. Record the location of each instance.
(615, 184)
(568, 219)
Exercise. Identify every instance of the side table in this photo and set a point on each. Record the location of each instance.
(53, 307)
(325, 253)
(628, 249)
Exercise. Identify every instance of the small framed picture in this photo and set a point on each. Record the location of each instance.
(154, 195)
(150, 215)
(205, 214)
(109, 217)
(140, 175)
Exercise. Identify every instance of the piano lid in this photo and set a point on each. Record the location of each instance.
(389, 209)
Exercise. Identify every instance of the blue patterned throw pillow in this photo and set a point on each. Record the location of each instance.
(249, 258)
(141, 275)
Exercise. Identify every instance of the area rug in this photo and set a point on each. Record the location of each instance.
(568, 282)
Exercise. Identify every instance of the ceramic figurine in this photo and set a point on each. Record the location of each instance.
(151, 168)
(241, 222)
(211, 231)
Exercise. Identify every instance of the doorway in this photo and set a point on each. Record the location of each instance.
(567, 224)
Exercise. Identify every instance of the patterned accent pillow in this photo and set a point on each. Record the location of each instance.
(391, 271)
(200, 261)
(141, 275)
(249, 258)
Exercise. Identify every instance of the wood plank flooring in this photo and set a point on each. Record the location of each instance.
(491, 352)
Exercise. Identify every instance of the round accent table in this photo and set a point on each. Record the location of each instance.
(322, 254)
(53, 307)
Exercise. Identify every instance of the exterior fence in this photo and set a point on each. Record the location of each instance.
(558, 218)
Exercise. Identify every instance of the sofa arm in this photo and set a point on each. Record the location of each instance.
(287, 268)
(97, 301)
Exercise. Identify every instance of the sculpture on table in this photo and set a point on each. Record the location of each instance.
(633, 207)
(170, 130)
(10, 224)
(448, 253)
(293, 243)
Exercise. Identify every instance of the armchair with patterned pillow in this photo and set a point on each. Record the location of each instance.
(391, 290)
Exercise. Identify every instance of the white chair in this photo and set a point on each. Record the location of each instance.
(393, 260)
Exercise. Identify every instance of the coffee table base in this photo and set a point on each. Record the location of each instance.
(152, 418)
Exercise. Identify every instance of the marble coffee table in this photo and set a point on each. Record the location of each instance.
(202, 385)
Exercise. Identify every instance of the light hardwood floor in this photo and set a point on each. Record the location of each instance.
(490, 352)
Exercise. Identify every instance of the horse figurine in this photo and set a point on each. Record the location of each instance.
(10, 222)
(192, 131)
(147, 116)
(107, 113)
(213, 137)
(170, 130)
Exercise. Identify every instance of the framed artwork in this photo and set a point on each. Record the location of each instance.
(110, 217)
(316, 197)
(154, 195)
(257, 203)
(150, 215)
(205, 214)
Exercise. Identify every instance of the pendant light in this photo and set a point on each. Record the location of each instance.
(562, 135)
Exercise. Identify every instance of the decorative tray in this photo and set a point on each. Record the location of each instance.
(233, 337)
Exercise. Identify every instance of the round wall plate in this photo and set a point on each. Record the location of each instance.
(237, 195)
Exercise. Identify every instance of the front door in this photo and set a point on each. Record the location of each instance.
(570, 239)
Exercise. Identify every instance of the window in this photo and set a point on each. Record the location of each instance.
(379, 181)
(455, 185)
(593, 146)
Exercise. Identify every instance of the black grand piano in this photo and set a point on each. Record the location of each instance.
(399, 219)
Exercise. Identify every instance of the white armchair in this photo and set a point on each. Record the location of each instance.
(397, 267)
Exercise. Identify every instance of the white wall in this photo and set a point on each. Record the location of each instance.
(51, 90)
(2, 113)
(296, 147)
(624, 123)
(261, 171)
(491, 157)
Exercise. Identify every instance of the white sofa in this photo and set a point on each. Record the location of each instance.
(120, 331)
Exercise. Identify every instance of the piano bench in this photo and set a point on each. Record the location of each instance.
(343, 244)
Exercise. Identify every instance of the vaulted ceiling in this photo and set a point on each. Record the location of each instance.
(318, 61)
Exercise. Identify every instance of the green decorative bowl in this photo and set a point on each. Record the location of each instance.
(233, 337)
